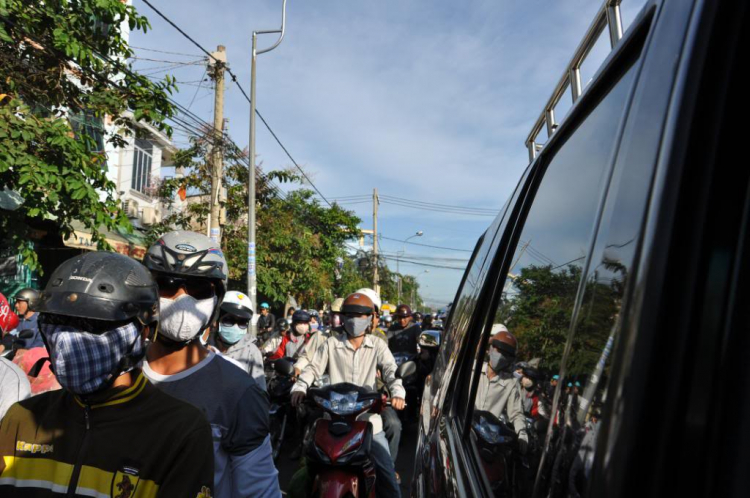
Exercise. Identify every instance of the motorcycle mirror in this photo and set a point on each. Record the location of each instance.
(406, 369)
(429, 339)
(284, 367)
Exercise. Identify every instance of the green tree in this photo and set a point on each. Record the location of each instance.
(63, 67)
(539, 314)
(299, 241)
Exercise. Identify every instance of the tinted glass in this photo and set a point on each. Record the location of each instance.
(511, 415)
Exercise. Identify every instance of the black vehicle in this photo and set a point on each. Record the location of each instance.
(621, 261)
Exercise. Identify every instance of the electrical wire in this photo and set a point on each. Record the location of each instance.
(234, 79)
(426, 245)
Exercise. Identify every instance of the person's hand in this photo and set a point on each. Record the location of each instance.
(297, 398)
(398, 403)
(296, 372)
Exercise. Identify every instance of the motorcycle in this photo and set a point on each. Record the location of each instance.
(505, 468)
(338, 449)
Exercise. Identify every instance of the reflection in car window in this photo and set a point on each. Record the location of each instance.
(530, 326)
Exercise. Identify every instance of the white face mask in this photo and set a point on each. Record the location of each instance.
(183, 318)
(527, 383)
(301, 328)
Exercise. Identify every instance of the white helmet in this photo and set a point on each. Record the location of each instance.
(237, 303)
(374, 296)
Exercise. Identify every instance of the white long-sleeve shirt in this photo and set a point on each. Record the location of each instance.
(498, 394)
(359, 367)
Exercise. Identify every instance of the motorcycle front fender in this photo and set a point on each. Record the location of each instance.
(335, 483)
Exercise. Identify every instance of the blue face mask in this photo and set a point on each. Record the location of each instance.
(231, 335)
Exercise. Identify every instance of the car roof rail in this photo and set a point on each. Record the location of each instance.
(607, 17)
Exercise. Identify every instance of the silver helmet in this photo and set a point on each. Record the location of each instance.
(184, 253)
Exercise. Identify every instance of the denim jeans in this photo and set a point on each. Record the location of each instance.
(385, 478)
(392, 429)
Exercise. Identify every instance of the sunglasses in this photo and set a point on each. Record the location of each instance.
(231, 321)
(48, 323)
(199, 288)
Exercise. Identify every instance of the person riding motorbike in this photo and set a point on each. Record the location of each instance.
(109, 429)
(191, 272)
(403, 336)
(285, 344)
(498, 391)
(266, 321)
(27, 301)
(392, 425)
(232, 339)
(354, 357)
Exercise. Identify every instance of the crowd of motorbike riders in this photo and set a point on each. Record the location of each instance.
(121, 376)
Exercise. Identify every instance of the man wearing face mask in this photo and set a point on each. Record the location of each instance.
(232, 338)
(403, 336)
(286, 344)
(108, 430)
(498, 390)
(355, 357)
(191, 273)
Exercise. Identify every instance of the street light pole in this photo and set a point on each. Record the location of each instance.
(398, 260)
(251, 274)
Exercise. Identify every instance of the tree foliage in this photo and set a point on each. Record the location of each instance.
(62, 62)
(539, 314)
(299, 242)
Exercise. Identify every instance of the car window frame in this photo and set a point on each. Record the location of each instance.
(613, 69)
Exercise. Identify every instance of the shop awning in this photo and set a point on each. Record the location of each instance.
(129, 244)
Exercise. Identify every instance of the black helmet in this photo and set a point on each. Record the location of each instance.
(31, 296)
(282, 324)
(301, 316)
(188, 254)
(102, 286)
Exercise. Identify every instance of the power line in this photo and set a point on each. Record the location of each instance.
(405, 261)
(426, 245)
(234, 78)
(164, 51)
(432, 204)
(199, 88)
(424, 208)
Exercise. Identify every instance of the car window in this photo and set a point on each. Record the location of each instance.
(532, 318)
(465, 303)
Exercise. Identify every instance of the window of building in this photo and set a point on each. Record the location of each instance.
(142, 158)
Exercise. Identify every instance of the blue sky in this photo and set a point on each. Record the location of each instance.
(429, 101)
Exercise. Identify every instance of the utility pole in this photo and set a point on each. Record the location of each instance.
(375, 202)
(217, 159)
(251, 275)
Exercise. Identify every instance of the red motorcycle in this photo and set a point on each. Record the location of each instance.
(338, 450)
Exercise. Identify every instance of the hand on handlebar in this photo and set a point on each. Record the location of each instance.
(297, 398)
(398, 403)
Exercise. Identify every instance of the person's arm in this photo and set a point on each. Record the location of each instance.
(249, 447)
(388, 368)
(308, 351)
(192, 472)
(255, 369)
(314, 370)
(514, 409)
(271, 345)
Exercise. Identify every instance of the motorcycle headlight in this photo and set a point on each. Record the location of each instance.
(343, 404)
